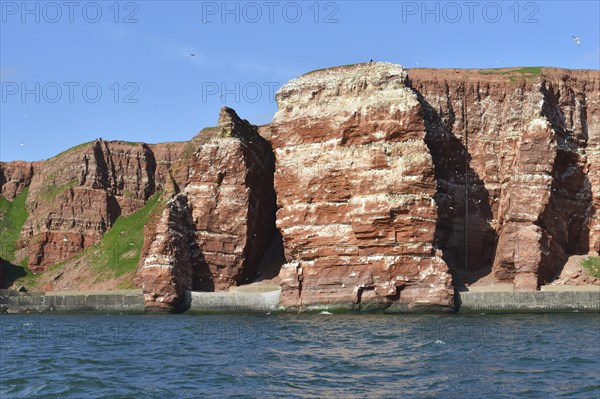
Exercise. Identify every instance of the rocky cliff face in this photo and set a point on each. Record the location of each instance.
(391, 185)
(230, 204)
(230, 187)
(355, 187)
(168, 268)
(14, 177)
(75, 197)
(517, 164)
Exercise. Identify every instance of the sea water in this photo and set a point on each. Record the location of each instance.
(300, 356)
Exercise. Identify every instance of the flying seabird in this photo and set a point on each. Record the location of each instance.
(576, 40)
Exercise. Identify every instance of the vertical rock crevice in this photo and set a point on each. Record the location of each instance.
(529, 166)
(463, 228)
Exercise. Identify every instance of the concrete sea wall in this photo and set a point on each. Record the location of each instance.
(578, 299)
(583, 299)
(126, 301)
(233, 301)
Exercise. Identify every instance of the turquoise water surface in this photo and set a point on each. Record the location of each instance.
(300, 356)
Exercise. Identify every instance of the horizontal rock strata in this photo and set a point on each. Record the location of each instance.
(355, 189)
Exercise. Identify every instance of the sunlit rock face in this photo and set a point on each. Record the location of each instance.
(213, 234)
(14, 177)
(231, 196)
(355, 186)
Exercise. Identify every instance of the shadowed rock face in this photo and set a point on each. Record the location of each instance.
(75, 197)
(511, 162)
(518, 160)
(355, 185)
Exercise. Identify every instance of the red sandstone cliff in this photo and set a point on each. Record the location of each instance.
(75, 197)
(387, 183)
(168, 269)
(14, 177)
(527, 150)
(230, 204)
(355, 184)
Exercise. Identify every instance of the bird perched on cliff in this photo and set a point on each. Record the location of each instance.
(576, 40)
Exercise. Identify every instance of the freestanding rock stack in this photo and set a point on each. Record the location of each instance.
(230, 189)
(227, 207)
(355, 184)
(168, 269)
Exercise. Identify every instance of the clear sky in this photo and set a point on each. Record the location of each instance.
(74, 71)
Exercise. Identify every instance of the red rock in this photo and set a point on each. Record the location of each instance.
(14, 177)
(167, 271)
(230, 204)
(533, 167)
(230, 191)
(78, 194)
(573, 273)
(370, 180)
(355, 186)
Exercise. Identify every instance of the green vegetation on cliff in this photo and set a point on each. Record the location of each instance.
(347, 66)
(12, 218)
(50, 192)
(68, 151)
(119, 250)
(115, 256)
(592, 265)
(515, 74)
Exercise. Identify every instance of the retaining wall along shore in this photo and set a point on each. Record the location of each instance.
(586, 299)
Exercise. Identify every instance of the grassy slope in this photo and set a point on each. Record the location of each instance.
(117, 253)
(592, 265)
(12, 217)
(515, 74)
(119, 250)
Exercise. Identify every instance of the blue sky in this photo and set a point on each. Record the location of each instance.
(124, 70)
